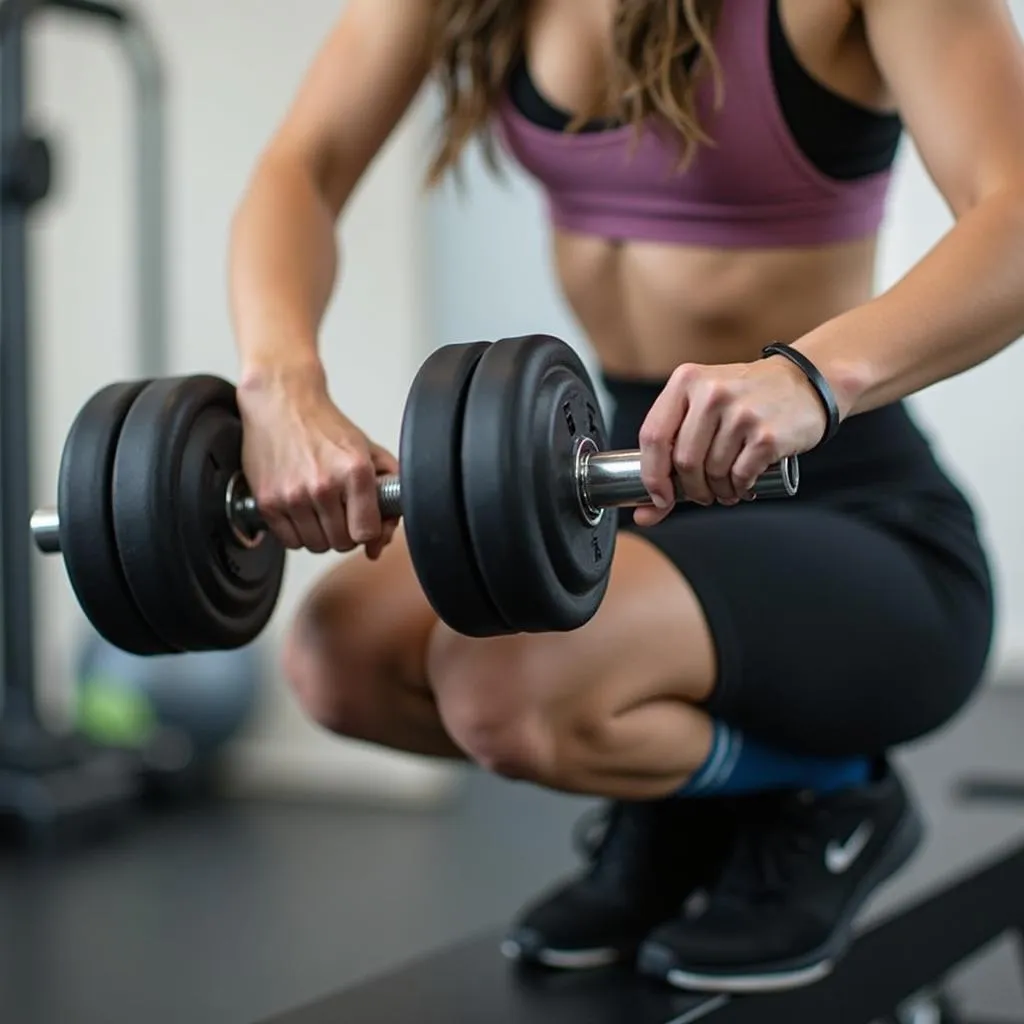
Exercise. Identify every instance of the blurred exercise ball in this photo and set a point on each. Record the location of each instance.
(201, 700)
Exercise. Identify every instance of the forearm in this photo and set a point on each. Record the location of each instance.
(960, 305)
(283, 266)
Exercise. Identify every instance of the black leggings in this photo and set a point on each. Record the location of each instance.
(853, 618)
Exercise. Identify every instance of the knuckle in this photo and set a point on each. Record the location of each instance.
(269, 499)
(686, 462)
(361, 473)
(323, 487)
(292, 496)
(653, 436)
(321, 496)
(745, 417)
(715, 394)
(269, 504)
(684, 374)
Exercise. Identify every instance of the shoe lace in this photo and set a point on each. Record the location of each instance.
(610, 838)
(770, 849)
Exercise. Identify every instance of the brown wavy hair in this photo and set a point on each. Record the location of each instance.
(475, 43)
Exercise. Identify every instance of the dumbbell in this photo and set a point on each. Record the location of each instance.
(504, 487)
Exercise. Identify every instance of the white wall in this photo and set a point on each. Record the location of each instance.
(491, 276)
(232, 66)
(975, 419)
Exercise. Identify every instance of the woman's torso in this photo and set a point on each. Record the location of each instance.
(652, 295)
(649, 305)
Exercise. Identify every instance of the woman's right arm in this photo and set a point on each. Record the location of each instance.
(314, 481)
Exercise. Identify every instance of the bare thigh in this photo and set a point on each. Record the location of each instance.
(608, 709)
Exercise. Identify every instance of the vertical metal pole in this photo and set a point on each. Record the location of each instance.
(150, 197)
(17, 676)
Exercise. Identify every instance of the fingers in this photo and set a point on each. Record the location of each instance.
(688, 436)
(694, 442)
(313, 472)
(758, 454)
(330, 511)
(729, 485)
(361, 503)
(385, 464)
(721, 458)
(383, 461)
(376, 547)
(281, 527)
(338, 510)
(310, 530)
(657, 443)
(290, 517)
(355, 512)
(705, 431)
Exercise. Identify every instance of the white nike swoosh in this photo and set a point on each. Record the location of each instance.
(840, 857)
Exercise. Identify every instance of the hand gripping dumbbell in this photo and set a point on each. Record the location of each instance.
(504, 488)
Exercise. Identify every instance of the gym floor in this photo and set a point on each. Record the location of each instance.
(233, 913)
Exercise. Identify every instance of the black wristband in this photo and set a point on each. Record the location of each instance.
(818, 382)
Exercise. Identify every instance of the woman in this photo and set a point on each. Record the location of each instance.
(717, 172)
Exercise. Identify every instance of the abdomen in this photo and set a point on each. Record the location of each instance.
(648, 307)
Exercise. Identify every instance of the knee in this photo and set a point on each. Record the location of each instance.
(488, 707)
(331, 663)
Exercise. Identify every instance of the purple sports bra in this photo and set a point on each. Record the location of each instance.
(754, 188)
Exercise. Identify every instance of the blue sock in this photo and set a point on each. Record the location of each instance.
(739, 764)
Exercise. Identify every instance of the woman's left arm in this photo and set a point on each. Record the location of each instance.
(956, 68)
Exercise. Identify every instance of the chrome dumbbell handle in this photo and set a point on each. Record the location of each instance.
(612, 480)
(603, 480)
(240, 508)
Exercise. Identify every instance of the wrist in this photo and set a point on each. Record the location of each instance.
(849, 378)
(806, 373)
(283, 371)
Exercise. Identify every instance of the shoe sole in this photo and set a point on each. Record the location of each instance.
(562, 959)
(655, 961)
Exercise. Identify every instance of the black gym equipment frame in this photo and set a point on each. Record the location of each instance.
(48, 782)
(909, 952)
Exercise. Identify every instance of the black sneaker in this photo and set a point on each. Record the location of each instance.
(645, 862)
(783, 909)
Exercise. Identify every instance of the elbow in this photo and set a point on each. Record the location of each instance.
(1003, 192)
(287, 167)
(1013, 200)
(319, 167)
(1005, 207)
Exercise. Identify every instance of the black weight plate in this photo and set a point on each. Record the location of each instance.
(87, 540)
(530, 404)
(430, 452)
(199, 585)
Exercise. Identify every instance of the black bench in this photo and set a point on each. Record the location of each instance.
(906, 952)
(962, 893)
